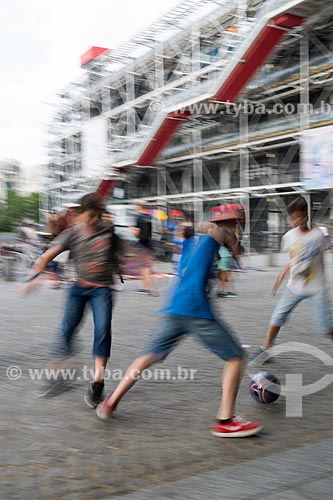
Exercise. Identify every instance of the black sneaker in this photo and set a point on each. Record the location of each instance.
(94, 394)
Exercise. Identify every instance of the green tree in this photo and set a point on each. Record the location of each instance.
(17, 208)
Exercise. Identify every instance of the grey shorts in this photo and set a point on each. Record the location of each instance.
(213, 334)
(320, 309)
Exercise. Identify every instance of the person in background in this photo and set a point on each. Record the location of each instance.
(225, 283)
(168, 237)
(187, 246)
(143, 232)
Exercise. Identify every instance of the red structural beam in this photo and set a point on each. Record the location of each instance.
(254, 57)
(91, 54)
(105, 187)
(162, 137)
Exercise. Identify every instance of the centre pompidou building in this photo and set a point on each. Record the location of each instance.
(217, 102)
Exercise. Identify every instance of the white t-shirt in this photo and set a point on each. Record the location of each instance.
(306, 260)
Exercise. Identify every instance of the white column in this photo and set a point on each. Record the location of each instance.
(225, 175)
(244, 177)
(187, 180)
(130, 96)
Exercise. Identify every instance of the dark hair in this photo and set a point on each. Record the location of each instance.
(188, 232)
(92, 202)
(298, 205)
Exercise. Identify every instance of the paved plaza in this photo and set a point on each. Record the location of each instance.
(159, 445)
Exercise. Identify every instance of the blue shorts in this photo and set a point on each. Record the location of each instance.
(215, 335)
(320, 309)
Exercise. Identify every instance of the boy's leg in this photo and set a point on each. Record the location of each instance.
(284, 307)
(272, 333)
(218, 338)
(131, 376)
(321, 312)
(231, 377)
(169, 333)
(74, 310)
(101, 304)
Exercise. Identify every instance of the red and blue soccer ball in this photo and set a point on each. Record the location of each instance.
(265, 388)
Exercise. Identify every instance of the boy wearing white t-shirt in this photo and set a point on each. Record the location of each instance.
(306, 248)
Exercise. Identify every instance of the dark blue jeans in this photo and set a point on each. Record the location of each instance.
(100, 300)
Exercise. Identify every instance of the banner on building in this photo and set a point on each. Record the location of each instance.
(316, 161)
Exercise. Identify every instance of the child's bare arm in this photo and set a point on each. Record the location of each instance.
(47, 257)
(40, 266)
(280, 278)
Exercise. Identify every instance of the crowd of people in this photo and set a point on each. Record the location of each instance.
(98, 257)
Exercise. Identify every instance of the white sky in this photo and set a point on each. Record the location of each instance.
(40, 46)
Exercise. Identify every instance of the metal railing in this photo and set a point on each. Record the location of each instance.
(247, 34)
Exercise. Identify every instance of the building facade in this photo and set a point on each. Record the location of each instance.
(217, 102)
(10, 177)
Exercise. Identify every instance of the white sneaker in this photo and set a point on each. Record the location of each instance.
(260, 357)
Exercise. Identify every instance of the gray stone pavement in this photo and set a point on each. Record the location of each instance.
(159, 442)
(291, 475)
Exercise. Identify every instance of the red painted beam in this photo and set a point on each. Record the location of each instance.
(288, 21)
(162, 136)
(105, 187)
(255, 56)
(91, 54)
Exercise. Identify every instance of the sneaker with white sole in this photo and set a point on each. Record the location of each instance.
(104, 411)
(236, 427)
(94, 394)
(260, 357)
(54, 387)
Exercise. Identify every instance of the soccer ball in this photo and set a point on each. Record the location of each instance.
(265, 388)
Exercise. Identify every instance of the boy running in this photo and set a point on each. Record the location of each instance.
(305, 246)
(188, 312)
(95, 252)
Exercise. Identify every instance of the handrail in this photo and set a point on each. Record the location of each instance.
(270, 128)
(203, 91)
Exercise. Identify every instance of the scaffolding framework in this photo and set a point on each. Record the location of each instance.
(164, 96)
